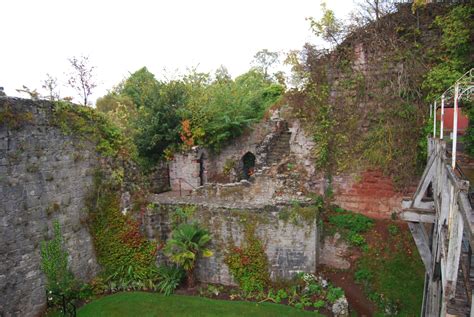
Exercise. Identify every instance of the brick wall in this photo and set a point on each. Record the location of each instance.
(370, 193)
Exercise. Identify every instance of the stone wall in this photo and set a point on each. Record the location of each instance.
(44, 176)
(268, 141)
(290, 248)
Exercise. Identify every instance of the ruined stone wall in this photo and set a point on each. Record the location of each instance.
(44, 176)
(226, 165)
(184, 171)
(290, 248)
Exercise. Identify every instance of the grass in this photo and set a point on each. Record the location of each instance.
(392, 273)
(153, 304)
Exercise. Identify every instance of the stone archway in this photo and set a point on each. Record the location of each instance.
(248, 165)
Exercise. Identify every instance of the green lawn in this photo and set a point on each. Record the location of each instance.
(140, 304)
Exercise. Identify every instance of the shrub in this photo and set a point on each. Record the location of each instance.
(126, 256)
(132, 277)
(54, 264)
(334, 293)
(170, 278)
(351, 221)
(187, 243)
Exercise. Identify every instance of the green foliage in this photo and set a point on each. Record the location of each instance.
(334, 293)
(54, 264)
(126, 256)
(191, 110)
(141, 87)
(211, 290)
(229, 165)
(299, 215)
(182, 215)
(170, 278)
(453, 57)
(393, 229)
(88, 124)
(132, 277)
(328, 27)
(350, 225)
(158, 122)
(248, 263)
(187, 243)
(277, 296)
(121, 110)
(356, 223)
(356, 239)
(221, 110)
(13, 119)
(392, 274)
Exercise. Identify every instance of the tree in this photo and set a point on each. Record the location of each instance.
(371, 10)
(120, 109)
(187, 243)
(34, 94)
(142, 87)
(158, 123)
(51, 85)
(328, 27)
(264, 60)
(81, 77)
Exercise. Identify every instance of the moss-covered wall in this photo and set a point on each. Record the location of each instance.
(289, 236)
(45, 175)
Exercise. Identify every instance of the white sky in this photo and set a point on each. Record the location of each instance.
(121, 36)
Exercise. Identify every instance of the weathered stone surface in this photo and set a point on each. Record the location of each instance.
(290, 248)
(44, 176)
(334, 252)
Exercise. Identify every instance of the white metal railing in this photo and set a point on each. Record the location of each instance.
(461, 89)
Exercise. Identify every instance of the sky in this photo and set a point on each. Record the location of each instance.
(122, 36)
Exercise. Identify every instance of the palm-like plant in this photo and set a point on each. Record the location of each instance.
(186, 244)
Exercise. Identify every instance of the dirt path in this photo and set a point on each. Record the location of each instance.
(355, 295)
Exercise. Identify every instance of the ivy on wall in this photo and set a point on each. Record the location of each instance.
(364, 102)
(248, 263)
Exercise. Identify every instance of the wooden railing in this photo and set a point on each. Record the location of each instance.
(448, 213)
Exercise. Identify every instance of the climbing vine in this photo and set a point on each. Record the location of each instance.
(364, 102)
(126, 256)
(248, 263)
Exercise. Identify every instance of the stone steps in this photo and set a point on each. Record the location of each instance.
(280, 149)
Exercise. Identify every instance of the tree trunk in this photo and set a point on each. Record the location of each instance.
(190, 278)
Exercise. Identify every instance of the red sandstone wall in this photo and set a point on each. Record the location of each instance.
(371, 194)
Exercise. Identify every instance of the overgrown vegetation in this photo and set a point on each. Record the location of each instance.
(351, 226)
(451, 58)
(54, 263)
(196, 109)
(88, 124)
(59, 279)
(377, 119)
(126, 256)
(392, 274)
(299, 215)
(248, 263)
(306, 292)
(188, 242)
(13, 119)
